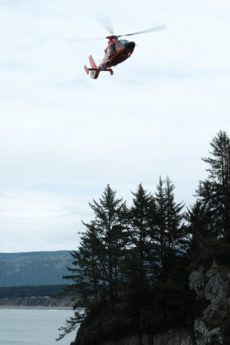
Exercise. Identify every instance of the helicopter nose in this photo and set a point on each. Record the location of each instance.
(130, 46)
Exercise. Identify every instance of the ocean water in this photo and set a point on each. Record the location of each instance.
(33, 326)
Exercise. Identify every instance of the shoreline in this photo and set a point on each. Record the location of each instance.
(35, 307)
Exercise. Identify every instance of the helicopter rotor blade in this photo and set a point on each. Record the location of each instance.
(107, 23)
(155, 28)
(84, 39)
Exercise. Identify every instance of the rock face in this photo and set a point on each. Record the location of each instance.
(213, 286)
(169, 338)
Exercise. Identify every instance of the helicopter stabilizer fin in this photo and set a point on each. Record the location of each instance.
(86, 69)
(94, 70)
(92, 62)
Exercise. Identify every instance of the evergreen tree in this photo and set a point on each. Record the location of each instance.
(161, 211)
(171, 233)
(96, 267)
(214, 192)
(198, 226)
(110, 223)
(86, 264)
(174, 217)
(142, 243)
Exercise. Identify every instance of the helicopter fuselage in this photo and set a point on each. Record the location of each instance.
(116, 52)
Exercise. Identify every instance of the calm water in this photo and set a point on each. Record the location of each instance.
(32, 327)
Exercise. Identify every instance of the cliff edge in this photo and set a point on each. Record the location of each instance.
(212, 327)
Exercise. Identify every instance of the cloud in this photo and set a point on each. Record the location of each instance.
(34, 220)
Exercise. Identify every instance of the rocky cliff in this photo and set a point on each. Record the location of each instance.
(172, 337)
(169, 338)
(213, 325)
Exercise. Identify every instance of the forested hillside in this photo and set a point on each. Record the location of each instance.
(33, 268)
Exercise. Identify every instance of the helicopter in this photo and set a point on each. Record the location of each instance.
(117, 50)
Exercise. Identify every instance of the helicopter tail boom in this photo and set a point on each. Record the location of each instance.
(94, 70)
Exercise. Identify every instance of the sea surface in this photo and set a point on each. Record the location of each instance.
(33, 326)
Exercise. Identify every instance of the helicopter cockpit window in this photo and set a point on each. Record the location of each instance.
(112, 48)
(124, 42)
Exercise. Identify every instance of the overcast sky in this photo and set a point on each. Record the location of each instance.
(65, 136)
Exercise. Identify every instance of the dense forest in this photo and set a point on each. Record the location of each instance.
(31, 291)
(132, 264)
(33, 268)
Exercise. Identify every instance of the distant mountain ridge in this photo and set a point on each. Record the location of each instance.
(34, 268)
